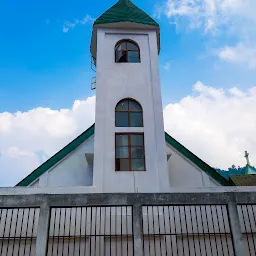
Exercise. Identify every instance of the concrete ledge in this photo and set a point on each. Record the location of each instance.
(72, 200)
(92, 189)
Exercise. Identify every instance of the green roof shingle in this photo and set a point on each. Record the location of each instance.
(125, 11)
(244, 180)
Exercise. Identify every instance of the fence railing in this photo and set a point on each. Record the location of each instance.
(214, 223)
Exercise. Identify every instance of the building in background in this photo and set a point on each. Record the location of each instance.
(240, 176)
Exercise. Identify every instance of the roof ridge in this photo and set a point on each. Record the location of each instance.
(125, 10)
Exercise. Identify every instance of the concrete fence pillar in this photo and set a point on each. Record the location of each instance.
(137, 229)
(43, 229)
(236, 230)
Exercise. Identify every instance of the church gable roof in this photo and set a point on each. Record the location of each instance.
(57, 157)
(125, 11)
(90, 131)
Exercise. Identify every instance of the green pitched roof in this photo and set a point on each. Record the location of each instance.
(57, 157)
(125, 11)
(90, 131)
(244, 180)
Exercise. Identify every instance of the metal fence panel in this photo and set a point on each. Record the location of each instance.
(187, 230)
(91, 231)
(18, 231)
(247, 214)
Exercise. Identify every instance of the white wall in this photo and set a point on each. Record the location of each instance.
(74, 171)
(184, 173)
(71, 171)
(140, 81)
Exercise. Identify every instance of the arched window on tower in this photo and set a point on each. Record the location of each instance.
(129, 146)
(127, 51)
(129, 114)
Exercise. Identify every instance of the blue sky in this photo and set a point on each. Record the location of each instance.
(40, 65)
(207, 67)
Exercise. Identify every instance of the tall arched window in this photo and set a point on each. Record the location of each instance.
(129, 114)
(127, 51)
(130, 155)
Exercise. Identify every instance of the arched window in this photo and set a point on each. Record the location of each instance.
(129, 114)
(130, 155)
(127, 51)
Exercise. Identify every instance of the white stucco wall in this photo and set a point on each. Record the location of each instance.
(184, 173)
(71, 171)
(140, 81)
(74, 171)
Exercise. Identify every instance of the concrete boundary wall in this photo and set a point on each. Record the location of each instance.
(231, 200)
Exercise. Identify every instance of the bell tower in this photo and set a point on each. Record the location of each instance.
(129, 144)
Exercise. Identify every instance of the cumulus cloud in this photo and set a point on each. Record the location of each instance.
(217, 125)
(210, 14)
(239, 54)
(71, 24)
(27, 138)
(235, 18)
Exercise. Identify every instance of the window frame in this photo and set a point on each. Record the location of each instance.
(127, 41)
(129, 151)
(129, 112)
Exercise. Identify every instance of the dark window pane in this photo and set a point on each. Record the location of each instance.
(134, 106)
(122, 152)
(122, 140)
(121, 119)
(133, 57)
(136, 119)
(124, 45)
(136, 140)
(133, 60)
(131, 46)
(138, 165)
(118, 55)
(122, 164)
(122, 106)
(122, 57)
(133, 54)
(137, 152)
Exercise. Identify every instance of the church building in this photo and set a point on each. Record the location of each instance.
(127, 149)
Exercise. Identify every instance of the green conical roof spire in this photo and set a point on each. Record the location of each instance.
(125, 11)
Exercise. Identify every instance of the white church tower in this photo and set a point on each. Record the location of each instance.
(127, 149)
(129, 144)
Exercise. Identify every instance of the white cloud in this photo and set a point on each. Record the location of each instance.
(235, 19)
(15, 152)
(167, 66)
(211, 14)
(70, 25)
(239, 54)
(217, 125)
(26, 137)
